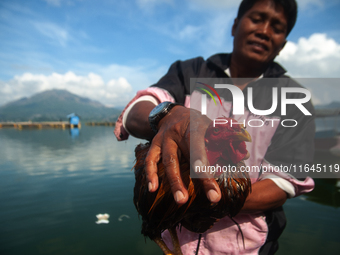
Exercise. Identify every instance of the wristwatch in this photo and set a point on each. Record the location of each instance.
(158, 113)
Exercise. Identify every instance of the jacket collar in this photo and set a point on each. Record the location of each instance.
(222, 61)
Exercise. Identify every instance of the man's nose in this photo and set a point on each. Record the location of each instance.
(263, 31)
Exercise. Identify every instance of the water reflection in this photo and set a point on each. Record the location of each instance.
(326, 192)
(74, 132)
(45, 151)
(311, 228)
(328, 123)
(52, 187)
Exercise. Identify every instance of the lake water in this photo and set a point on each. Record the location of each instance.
(53, 184)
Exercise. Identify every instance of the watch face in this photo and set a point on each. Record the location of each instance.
(158, 109)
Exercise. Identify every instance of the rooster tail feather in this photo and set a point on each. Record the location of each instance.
(239, 228)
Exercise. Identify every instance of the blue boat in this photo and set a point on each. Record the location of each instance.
(74, 120)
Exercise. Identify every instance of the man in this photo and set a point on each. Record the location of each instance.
(259, 32)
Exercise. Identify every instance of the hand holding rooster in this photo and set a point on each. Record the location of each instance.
(176, 130)
(173, 142)
(225, 146)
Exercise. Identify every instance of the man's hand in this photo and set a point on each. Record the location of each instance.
(172, 142)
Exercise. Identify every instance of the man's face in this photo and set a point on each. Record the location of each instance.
(261, 32)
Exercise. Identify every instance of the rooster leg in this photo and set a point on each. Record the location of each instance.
(175, 242)
(163, 246)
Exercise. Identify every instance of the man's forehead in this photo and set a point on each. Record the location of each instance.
(268, 7)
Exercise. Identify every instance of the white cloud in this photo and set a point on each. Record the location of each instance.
(218, 34)
(58, 3)
(215, 4)
(53, 2)
(188, 32)
(303, 4)
(140, 76)
(147, 5)
(115, 92)
(112, 85)
(316, 56)
(324, 91)
(54, 32)
(224, 4)
(180, 31)
(209, 36)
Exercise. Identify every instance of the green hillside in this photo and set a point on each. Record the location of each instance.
(55, 105)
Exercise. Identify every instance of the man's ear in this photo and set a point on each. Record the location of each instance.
(233, 29)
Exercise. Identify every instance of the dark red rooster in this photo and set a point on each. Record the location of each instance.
(225, 145)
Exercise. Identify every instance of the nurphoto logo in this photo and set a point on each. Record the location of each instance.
(238, 103)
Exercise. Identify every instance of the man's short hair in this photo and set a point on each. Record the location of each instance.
(289, 7)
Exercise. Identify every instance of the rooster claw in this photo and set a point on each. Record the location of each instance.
(175, 243)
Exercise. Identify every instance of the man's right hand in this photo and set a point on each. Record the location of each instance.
(171, 142)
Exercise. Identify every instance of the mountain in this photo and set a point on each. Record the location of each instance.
(54, 105)
(332, 105)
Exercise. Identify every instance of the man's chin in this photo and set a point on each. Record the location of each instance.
(258, 60)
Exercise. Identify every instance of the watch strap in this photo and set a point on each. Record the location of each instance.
(159, 112)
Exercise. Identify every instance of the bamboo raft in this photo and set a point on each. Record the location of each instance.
(111, 124)
(39, 125)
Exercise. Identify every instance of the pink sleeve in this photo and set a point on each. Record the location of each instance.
(160, 94)
(301, 187)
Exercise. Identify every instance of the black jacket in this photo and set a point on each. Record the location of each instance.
(288, 145)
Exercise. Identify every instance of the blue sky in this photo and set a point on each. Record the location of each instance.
(109, 49)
